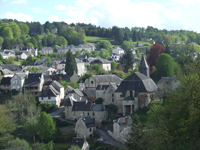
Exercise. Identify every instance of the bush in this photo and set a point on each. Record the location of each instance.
(47, 107)
(99, 101)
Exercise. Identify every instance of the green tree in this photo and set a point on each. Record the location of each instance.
(135, 36)
(33, 41)
(61, 41)
(46, 127)
(127, 60)
(113, 65)
(19, 143)
(75, 147)
(39, 29)
(127, 45)
(30, 44)
(7, 32)
(104, 54)
(16, 30)
(165, 66)
(1, 41)
(138, 54)
(6, 43)
(104, 44)
(50, 40)
(70, 66)
(10, 60)
(7, 125)
(77, 54)
(24, 28)
(126, 37)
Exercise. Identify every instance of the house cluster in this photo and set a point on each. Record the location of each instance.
(7, 53)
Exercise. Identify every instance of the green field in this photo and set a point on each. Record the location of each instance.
(94, 38)
(17, 63)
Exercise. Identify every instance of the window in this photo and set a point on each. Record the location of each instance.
(49, 97)
(88, 114)
(112, 95)
(92, 82)
(42, 98)
(93, 113)
(90, 130)
(112, 99)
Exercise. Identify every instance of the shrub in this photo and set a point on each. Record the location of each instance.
(47, 107)
(99, 101)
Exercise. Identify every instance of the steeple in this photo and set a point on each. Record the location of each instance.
(144, 68)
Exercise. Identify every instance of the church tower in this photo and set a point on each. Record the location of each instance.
(144, 68)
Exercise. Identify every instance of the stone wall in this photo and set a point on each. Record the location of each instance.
(66, 130)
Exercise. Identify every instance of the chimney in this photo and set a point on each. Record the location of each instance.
(126, 120)
(56, 65)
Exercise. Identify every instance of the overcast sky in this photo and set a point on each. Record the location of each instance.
(163, 14)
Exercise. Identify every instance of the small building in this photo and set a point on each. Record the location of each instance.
(47, 50)
(121, 129)
(17, 81)
(77, 94)
(21, 55)
(5, 84)
(80, 142)
(76, 109)
(34, 83)
(106, 65)
(85, 126)
(118, 51)
(52, 93)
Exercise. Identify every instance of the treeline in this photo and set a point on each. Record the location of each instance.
(14, 32)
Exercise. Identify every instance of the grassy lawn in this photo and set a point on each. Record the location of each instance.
(17, 63)
(94, 38)
(61, 146)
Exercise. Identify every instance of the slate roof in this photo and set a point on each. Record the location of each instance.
(6, 72)
(5, 81)
(33, 80)
(137, 82)
(97, 107)
(100, 61)
(79, 141)
(50, 92)
(63, 76)
(19, 53)
(11, 67)
(77, 91)
(82, 106)
(107, 78)
(63, 62)
(21, 75)
(89, 122)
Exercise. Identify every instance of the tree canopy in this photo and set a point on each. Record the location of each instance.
(127, 60)
(70, 66)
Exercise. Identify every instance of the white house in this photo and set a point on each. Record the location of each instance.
(102, 62)
(17, 81)
(21, 55)
(118, 51)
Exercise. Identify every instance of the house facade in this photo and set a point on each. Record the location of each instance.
(118, 51)
(21, 55)
(17, 81)
(102, 62)
(34, 83)
(47, 50)
(5, 85)
(76, 109)
(85, 126)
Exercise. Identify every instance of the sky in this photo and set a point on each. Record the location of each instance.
(162, 14)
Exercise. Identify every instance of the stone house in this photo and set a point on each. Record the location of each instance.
(136, 91)
(34, 83)
(80, 142)
(29, 50)
(118, 51)
(121, 129)
(5, 84)
(77, 94)
(11, 67)
(9, 53)
(6, 73)
(81, 67)
(76, 109)
(17, 81)
(47, 50)
(106, 92)
(106, 65)
(21, 55)
(53, 92)
(95, 80)
(85, 126)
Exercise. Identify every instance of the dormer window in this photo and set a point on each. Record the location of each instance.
(92, 82)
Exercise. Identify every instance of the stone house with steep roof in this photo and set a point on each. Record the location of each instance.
(53, 92)
(77, 94)
(99, 80)
(85, 127)
(34, 83)
(76, 109)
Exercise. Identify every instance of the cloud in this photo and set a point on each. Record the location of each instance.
(36, 9)
(19, 16)
(130, 14)
(19, 2)
(54, 18)
(60, 7)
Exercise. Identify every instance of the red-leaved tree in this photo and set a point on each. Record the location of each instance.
(154, 53)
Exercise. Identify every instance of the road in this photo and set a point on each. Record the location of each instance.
(108, 139)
